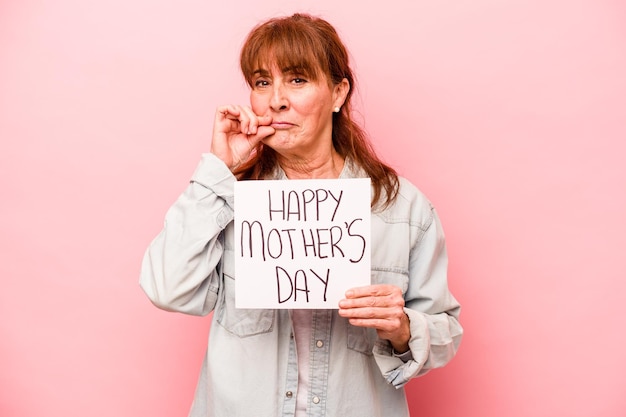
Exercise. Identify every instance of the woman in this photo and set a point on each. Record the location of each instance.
(352, 361)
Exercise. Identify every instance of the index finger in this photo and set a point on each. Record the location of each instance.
(228, 111)
(375, 290)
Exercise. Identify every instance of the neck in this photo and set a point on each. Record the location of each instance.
(328, 165)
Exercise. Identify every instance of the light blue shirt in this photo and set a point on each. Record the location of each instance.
(251, 366)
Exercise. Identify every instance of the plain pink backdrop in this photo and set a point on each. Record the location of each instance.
(510, 115)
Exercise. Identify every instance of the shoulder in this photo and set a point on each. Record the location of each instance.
(410, 205)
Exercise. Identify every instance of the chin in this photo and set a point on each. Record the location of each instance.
(278, 142)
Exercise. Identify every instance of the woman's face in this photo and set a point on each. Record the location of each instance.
(301, 109)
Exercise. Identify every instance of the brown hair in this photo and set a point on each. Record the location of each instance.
(313, 46)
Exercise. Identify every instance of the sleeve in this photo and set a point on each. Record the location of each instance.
(432, 310)
(181, 267)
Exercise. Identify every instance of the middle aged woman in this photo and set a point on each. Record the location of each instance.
(351, 361)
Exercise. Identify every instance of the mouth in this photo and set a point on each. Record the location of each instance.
(278, 125)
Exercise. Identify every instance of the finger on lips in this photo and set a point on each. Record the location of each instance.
(235, 119)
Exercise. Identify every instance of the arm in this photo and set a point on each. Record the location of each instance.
(433, 313)
(180, 267)
(418, 330)
(180, 270)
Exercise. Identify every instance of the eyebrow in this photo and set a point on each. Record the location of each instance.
(296, 69)
(261, 72)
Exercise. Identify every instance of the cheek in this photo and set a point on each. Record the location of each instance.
(258, 104)
(311, 107)
(317, 114)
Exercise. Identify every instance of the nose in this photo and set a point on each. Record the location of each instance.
(279, 101)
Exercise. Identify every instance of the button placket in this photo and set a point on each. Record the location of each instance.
(321, 326)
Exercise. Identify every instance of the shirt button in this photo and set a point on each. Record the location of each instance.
(289, 394)
(319, 344)
(316, 400)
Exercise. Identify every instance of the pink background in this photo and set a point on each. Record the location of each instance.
(510, 115)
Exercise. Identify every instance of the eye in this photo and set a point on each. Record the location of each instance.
(298, 80)
(261, 82)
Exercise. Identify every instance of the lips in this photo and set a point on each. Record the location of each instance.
(281, 125)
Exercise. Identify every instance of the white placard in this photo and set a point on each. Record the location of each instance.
(301, 243)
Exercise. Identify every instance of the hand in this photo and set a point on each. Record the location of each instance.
(236, 131)
(380, 307)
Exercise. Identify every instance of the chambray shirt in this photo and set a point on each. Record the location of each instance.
(251, 365)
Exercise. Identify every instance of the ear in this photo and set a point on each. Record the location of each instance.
(340, 92)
